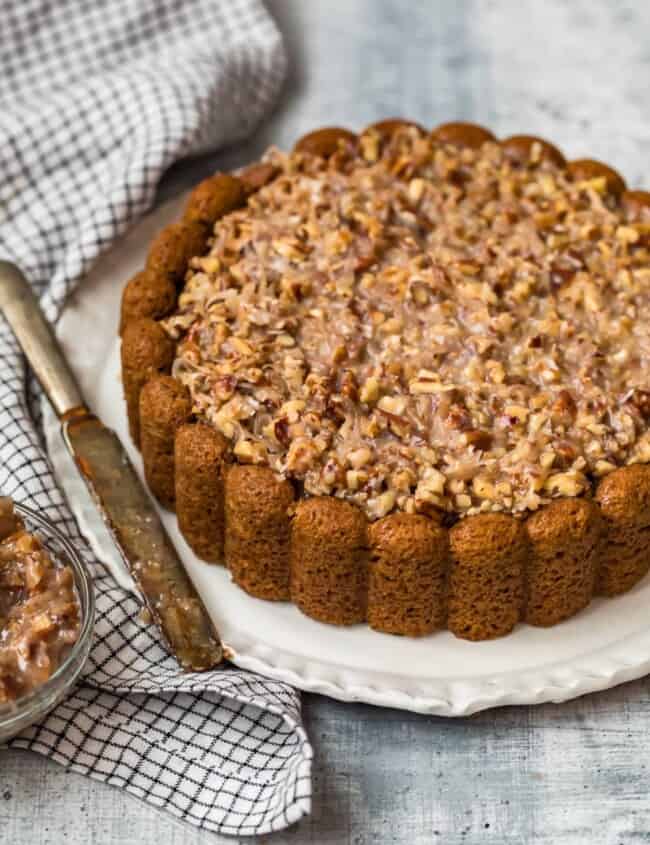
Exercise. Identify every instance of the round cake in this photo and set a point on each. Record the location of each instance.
(401, 377)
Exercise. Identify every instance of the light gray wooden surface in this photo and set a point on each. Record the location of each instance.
(579, 73)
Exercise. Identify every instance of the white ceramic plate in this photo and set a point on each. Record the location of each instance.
(605, 645)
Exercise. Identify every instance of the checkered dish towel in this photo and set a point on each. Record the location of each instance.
(97, 99)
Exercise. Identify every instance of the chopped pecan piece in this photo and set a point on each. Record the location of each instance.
(565, 404)
(641, 401)
(481, 440)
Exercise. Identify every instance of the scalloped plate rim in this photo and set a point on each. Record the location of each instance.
(606, 666)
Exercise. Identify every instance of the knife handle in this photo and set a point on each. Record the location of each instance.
(34, 334)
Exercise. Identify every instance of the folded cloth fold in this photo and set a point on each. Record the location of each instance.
(97, 99)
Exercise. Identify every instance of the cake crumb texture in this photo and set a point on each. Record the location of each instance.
(200, 453)
(562, 565)
(624, 499)
(146, 351)
(164, 406)
(171, 250)
(409, 556)
(329, 560)
(486, 580)
(258, 531)
(214, 197)
(147, 294)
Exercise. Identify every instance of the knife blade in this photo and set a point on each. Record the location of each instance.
(122, 501)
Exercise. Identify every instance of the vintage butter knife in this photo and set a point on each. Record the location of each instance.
(116, 489)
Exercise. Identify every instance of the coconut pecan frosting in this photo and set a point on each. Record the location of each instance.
(413, 326)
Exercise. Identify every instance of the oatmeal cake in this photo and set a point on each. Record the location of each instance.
(416, 364)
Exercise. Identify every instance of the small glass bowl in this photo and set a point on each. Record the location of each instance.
(17, 715)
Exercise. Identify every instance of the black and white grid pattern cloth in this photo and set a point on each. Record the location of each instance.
(97, 99)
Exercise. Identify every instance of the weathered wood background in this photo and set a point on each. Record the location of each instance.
(579, 73)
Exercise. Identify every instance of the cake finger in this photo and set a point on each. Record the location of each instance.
(586, 169)
(624, 500)
(486, 578)
(146, 351)
(172, 249)
(325, 142)
(561, 571)
(255, 176)
(258, 530)
(409, 557)
(388, 127)
(529, 149)
(199, 462)
(213, 197)
(329, 560)
(460, 134)
(147, 294)
(164, 406)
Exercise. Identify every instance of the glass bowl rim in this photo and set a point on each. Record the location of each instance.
(42, 696)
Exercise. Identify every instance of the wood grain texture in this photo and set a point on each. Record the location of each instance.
(575, 71)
